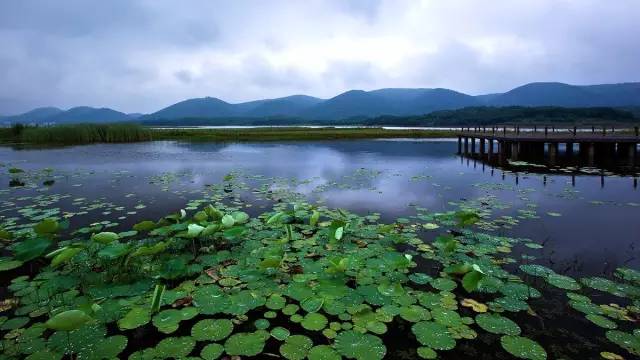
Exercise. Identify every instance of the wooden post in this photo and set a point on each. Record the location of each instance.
(473, 146)
(637, 131)
(502, 151)
(490, 154)
(575, 131)
(546, 131)
(569, 150)
(591, 153)
(459, 145)
(633, 149)
(481, 148)
(515, 147)
(553, 152)
(466, 145)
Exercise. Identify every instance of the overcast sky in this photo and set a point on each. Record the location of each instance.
(142, 55)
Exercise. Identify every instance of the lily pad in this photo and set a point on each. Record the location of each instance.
(244, 344)
(497, 324)
(523, 348)
(211, 329)
(296, 347)
(354, 345)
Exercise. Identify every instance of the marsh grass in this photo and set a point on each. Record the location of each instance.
(80, 134)
(293, 133)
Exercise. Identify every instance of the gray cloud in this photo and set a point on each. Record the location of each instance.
(141, 55)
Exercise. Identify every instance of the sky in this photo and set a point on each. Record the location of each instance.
(143, 55)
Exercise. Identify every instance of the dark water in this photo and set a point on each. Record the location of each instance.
(597, 229)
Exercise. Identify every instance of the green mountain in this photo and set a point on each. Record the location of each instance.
(356, 104)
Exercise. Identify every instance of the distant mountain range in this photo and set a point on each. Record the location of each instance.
(355, 103)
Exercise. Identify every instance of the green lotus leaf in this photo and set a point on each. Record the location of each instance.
(387, 288)
(31, 248)
(280, 333)
(601, 321)
(536, 270)
(168, 321)
(244, 301)
(433, 335)
(296, 347)
(193, 230)
(244, 344)
(211, 351)
(523, 348)
(443, 284)
(144, 226)
(17, 322)
(420, 278)
(446, 317)
(355, 345)
(228, 221)
(629, 342)
(508, 303)
(497, 324)
(110, 347)
(275, 302)
(67, 320)
(46, 226)
(211, 329)
(519, 291)
(323, 352)
(175, 347)
(240, 217)
(290, 309)
(135, 318)
(261, 324)
(314, 321)
(312, 304)
(427, 353)
(563, 282)
(7, 264)
(414, 313)
(105, 237)
(210, 299)
(114, 250)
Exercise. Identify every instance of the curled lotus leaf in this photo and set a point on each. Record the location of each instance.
(280, 333)
(523, 348)
(105, 237)
(68, 320)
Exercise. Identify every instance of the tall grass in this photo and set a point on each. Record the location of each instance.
(84, 134)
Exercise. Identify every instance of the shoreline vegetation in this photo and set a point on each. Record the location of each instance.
(124, 133)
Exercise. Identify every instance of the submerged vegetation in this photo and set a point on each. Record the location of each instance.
(297, 281)
(75, 134)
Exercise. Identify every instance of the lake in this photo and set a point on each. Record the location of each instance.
(588, 224)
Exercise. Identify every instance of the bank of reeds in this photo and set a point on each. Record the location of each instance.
(77, 134)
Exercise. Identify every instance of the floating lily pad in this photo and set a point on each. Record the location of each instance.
(296, 347)
(523, 348)
(314, 321)
(211, 351)
(323, 352)
(244, 344)
(497, 324)
(354, 345)
(211, 329)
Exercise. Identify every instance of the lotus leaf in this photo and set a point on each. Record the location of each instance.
(296, 347)
(355, 345)
(244, 344)
(433, 335)
(212, 351)
(523, 348)
(497, 324)
(314, 321)
(211, 330)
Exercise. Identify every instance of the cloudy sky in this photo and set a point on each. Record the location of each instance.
(141, 55)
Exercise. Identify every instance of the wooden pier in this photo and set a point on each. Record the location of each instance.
(497, 144)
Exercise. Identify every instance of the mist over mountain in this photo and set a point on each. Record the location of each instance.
(356, 103)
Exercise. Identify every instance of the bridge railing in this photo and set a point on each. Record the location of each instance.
(505, 129)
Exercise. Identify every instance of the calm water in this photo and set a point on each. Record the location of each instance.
(588, 228)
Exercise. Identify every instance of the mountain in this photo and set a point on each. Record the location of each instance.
(52, 115)
(559, 94)
(199, 107)
(34, 116)
(355, 104)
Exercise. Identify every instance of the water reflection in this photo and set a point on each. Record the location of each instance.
(598, 225)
